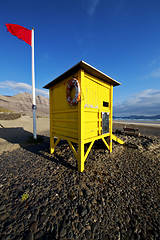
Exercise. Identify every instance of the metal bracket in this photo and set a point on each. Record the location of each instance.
(34, 107)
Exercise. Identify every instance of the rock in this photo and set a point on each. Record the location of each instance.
(127, 218)
(33, 217)
(44, 219)
(136, 236)
(82, 211)
(33, 227)
(7, 224)
(28, 236)
(3, 216)
(94, 226)
(8, 237)
(39, 235)
(55, 230)
(88, 234)
(79, 226)
(86, 193)
(70, 235)
(2, 207)
(62, 232)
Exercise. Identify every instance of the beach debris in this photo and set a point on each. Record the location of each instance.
(128, 131)
(25, 196)
(131, 131)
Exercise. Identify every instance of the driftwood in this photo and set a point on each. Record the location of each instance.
(131, 131)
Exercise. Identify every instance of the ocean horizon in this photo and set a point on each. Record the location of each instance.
(133, 120)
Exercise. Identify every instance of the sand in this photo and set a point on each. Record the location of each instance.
(15, 133)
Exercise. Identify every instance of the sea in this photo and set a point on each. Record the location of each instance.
(129, 120)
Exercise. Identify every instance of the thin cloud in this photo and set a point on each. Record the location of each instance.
(155, 73)
(90, 6)
(93, 6)
(143, 103)
(22, 87)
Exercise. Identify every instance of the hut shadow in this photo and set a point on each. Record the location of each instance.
(41, 147)
(14, 135)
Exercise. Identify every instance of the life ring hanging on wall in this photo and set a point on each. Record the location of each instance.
(73, 83)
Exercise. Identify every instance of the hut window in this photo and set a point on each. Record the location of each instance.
(105, 104)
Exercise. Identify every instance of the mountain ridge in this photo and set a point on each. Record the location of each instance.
(22, 103)
(139, 117)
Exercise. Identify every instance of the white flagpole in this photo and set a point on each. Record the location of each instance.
(34, 107)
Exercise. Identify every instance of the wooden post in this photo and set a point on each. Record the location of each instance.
(51, 119)
(81, 124)
(110, 118)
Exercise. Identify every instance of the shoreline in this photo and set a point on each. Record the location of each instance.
(135, 122)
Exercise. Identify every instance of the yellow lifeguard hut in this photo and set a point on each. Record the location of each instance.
(81, 104)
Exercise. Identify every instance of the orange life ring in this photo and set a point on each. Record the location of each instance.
(73, 83)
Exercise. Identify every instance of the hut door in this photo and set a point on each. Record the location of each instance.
(105, 122)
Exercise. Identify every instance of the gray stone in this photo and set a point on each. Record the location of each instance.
(3, 216)
(88, 234)
(8, 237)
(70, 235)
(63, 232)
(82, 211)
(29, 236)
(44, 219)
(33, 227)
(39, 235)
(33, 218)
(94, 226)
(2, 207)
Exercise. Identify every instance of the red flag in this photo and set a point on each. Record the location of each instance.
(20, 32)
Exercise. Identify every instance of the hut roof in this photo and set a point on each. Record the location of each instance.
(88, 69)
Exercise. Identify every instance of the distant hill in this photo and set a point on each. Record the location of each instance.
(140, 117)
(22, 103)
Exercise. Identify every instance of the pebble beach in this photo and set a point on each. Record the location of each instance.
(43, 196)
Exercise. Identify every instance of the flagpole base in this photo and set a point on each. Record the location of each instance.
(34, 107)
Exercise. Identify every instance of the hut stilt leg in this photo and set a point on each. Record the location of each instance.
(81, 158)
(110, 144)
(51, 143)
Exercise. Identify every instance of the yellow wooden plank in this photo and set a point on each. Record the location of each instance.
(88, 150)
(65, 137)
(65, 111)
(97, 80)
(86, 140)
(87, 109)
(73, 149)
(65, 129)
(65, 120)
(57, 141)
(116, 139)
(92, 120)
(65, 115)
(65, 134)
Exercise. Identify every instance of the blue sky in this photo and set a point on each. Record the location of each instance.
(119, 37)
